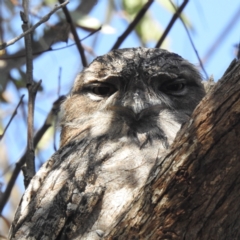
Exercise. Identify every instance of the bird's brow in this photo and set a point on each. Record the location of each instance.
(112, 79)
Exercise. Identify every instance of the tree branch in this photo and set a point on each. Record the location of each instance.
(31, 29)
(191, 41)
(32, 91)
(75, 35)
(174, 18)
(133, 24)
(15, 56)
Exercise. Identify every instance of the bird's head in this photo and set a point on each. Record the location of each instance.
(138, 93)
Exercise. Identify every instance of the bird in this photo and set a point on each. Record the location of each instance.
(119, 120)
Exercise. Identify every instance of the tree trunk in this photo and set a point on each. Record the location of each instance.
(191, 193)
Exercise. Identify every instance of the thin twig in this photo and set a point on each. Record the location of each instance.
(132, 25)
(49, 49)
(75, 35)
(13, 115)
(48, 122)
(174, 18)
(23, 110)
(31, 29)
(192, 43)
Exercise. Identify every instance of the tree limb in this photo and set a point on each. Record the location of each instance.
(133, 24)
(168, 28)
(191, 41)
(29, 170)
(75, 35)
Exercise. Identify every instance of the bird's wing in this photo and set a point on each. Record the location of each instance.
(56, 192)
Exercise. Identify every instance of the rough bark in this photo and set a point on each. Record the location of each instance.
(191, 193)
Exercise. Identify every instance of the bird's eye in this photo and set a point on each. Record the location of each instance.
(104, 90)
(175, 87)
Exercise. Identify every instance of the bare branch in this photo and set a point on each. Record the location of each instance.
(13, 115)
(133, 24)
(10, 57)
(174, 18)
(75, 35)
(32, 91)
(31, 29)
(191, 41)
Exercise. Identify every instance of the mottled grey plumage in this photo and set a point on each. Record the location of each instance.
(122, 115)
